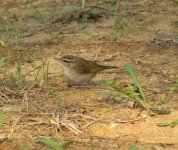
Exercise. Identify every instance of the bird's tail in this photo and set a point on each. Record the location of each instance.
(110, 67)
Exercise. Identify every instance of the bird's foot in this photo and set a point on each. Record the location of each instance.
(81, 85)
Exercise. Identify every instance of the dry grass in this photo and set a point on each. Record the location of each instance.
(45, 106)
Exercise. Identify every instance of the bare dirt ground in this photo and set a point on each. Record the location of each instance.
(143, 33)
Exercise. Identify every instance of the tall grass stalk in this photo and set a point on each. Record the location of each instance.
(82, 3)
(19, 74)
(47, 75)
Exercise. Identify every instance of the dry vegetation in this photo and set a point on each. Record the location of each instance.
(35, 100)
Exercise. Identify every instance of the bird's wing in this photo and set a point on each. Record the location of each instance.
(86, 67)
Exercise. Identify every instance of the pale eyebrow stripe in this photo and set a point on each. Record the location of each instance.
(69, 60)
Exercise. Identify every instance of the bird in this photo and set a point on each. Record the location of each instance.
(80, 70)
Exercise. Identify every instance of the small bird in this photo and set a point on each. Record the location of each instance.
(80, 70)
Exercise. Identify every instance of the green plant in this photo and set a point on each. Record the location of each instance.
(113, 2)
(139, 96)
(118, 25)
(47, 75)
(3, 59)
(39, 14)
(92, 147)
(45, 72)
(32, 59)
(3, 70)
(130, 92)
(175, 1)
(18, 78)
(2, 44)
(134, 75)
(93, 12)
(82, 3)
(53, 144)
(171, 124)
(19, 75)
(18, 38)
(133, 147)
(174, 87)
(2, 118)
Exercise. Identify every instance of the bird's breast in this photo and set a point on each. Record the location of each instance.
(74, 76)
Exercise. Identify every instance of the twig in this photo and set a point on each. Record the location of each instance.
(88, 124)
(25, 100)
(13, 126)
(59, 53)
(57, 121)
(3, 95)
(71, 126)
(95, 58)
(25, 97)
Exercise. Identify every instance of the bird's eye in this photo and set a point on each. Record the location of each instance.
(65, 61)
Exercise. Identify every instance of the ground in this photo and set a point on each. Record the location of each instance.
(142, 33)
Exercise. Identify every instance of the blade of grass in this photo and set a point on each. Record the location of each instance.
(175, 1)
(38, 67)
(2, 43)
(82, 3)
(47, 75)
(133, 147)
(53, 144)
(19, 74)
(134, 75)
(4, 75)
(65, 145)
(165, 124)
(107, 94)
(92, 147)
(13, 80)
(37, 74)
(174, 87)
(49, 142)
(129, 92)
(2, 60)
(2, 118)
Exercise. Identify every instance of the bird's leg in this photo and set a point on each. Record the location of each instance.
(81, 85)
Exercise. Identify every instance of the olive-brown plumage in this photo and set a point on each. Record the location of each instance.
(79, 70)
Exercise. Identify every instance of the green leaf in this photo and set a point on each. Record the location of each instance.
(65, 145)
(2, 43)
(107, 94)
(114, 86)
(92, 147)
(134, 75)
(13, 80)
(82, 3)
(129, 92)
(174, 87)
(113, 2)
(49, 142)
(19, 74)
(2, 118)
(53, 144)
(133, 147)
(108, 83)
(171, 124)
(175, 1)
(2, 60)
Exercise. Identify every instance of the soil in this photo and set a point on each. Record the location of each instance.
(141, 33)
